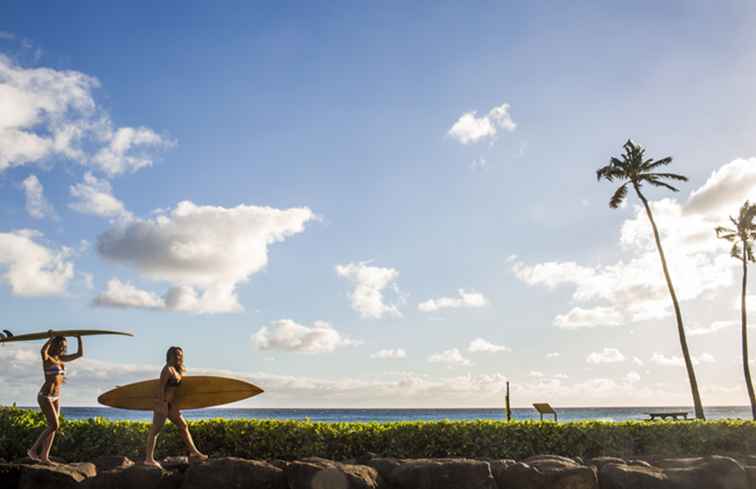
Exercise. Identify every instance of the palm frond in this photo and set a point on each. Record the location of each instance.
(618, 197)
(650, 164)
(749, 252)
(726, 233)
(735, 251)
(671, 176)
(657, 183)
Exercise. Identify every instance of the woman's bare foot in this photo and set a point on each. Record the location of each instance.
(197, 457)
(33, 455)
(153, 463)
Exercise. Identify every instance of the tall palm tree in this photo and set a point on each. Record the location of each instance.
(634, 169)
(742, 237)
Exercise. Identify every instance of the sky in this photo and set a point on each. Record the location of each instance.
(374, 205)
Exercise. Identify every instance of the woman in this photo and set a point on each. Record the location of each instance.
(53, 362)
(165, 407)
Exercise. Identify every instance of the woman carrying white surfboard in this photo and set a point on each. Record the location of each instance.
(53, 362)
(166, 408)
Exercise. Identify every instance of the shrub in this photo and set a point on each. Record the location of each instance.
(268, 439)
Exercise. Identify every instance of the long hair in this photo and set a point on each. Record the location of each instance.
(57, 346)
(172, 359)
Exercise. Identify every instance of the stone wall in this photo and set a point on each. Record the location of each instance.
(373, 472)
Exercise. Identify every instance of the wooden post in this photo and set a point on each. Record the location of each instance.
(509, 409)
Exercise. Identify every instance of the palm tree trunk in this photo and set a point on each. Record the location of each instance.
(744, 334)
(697, 405)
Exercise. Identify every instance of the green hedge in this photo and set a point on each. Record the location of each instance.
(263, 439)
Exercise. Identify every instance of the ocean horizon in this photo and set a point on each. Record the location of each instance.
(336, 415)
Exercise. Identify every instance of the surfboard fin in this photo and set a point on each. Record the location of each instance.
(8, 333)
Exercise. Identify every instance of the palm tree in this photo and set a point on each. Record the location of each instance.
(634, 169)
(742, 237)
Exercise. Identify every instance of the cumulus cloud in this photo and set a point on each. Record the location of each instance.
(31, 268)
(579, 317)
(463, 299)
(676, 361)
(205, 252)
(481, 345)
(607, 355)
(633, 289)
(49, 112)
(287, 335)
(390, 354)
(124, 295)
(451, 357)
(369, 284)
(632, 377)
(712, 328)
(553, 354)
(36, 204)
(95, 196)
(470, 128)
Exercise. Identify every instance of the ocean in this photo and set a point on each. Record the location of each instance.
(389, 415)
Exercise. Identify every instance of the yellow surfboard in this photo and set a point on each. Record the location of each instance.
(194, 392)
(8, 338)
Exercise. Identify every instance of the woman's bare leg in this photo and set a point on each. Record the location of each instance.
(177, 419)
(158, 420)
(51, 410)
(46, 407)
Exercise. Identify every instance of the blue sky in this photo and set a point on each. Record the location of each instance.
(338, 122)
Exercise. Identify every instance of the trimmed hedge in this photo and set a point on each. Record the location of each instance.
(269, 439)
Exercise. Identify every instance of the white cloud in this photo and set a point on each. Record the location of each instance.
(287, 335)
(369, 283)
(561, 376)
(464, 299)
(203, 251)
(451, 357)
(607, 355)
(49, 112)
(553, 354)
(676, 361)
(481, 345)
(129, 149)
(36, 204)
(634, 287)
(536, 373)
(579, 317)
(632, 377)
(712, 328)
(390, 354)
(32, 269)
(638, 361)
(95, 196)
(125, 295)
(470, 129)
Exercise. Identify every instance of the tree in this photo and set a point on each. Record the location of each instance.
(634, 169)
(742, 237)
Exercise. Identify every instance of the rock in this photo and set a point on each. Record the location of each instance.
(385, 467)
(546, 472)
(451, 473)
(111, 462)
(171, 464)
(232, 473)
(751, 475)
(318, 473)
(623, 476)
(711, 472)
(86, 468)
(9, 475)
(601, 461)
(50, 476)
(137, 476)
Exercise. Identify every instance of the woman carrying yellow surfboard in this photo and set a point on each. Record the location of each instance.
(53, 362)
(166, 407)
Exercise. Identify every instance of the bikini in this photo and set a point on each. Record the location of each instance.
(53, 370)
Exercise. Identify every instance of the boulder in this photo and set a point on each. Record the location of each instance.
(318, 473)
(546, 472)
(451, 473)
(51, 476)
(9, 475)
(233, 473)
(137, 476)
(623, 476)
(111, 462)
(751, 475)
(385, 467)
(712, 472)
